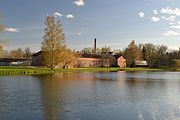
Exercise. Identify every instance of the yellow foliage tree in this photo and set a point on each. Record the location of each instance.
(132, 54)
(54, 42)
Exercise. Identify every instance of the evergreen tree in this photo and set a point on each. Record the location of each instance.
(132, 54)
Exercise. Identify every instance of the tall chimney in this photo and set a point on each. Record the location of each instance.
(95, 46)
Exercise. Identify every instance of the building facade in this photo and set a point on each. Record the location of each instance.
(121, 62)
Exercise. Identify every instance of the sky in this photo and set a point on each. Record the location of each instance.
(113, 23)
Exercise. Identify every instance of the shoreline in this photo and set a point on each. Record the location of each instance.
(21, 70)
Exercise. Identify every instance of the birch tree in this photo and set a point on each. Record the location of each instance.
(54, 42)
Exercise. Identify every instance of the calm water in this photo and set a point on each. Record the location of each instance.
(91, 96)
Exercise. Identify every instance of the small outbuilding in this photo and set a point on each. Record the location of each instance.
(140, 64)
(121, 62)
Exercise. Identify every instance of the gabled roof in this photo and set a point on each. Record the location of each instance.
(37, 54)
(121, 58)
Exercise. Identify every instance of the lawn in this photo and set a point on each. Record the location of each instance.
(20, 70)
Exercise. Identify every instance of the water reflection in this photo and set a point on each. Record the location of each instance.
(91, 96)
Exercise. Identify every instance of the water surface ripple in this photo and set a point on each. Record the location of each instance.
(91, 96)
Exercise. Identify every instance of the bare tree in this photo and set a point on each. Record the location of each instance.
(16, 53)
(27, 52)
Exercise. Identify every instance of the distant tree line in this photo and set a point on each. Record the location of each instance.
(17, 53)
(157, 56)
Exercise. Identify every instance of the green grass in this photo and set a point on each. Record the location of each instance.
(14, 70)
(17, 70)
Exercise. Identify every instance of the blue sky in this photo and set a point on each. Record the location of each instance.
(113, 22)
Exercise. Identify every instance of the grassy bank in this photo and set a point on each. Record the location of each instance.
(13, 70)
(6, 70)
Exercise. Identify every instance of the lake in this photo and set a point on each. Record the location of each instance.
(91, 96)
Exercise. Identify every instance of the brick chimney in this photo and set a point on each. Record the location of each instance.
(94, 51)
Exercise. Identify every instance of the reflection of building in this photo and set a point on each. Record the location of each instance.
(121, 62)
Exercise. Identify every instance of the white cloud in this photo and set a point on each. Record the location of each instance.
(79, 34)
(57, 14)
(155, 12)
(171, 11)
(176, 26)
(11, 30)
(178, 22)
(171, 33)
(171, 23)
(79, 2)
(70, 16)
(171, 18)
(155, 19)
(141, 14)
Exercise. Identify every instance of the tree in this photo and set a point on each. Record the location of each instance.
(132, 54)
(68, 58)
(175, 63)
(1, 27)
(2, 52)
(161, 58)
(149, 52)
(105, 56)
(17, 53)
(106, 50)
(54, 42)
(87, 50)
(27, 52)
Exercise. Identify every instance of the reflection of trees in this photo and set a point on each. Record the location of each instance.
(52, 93)
(60, 93)
(1, 102)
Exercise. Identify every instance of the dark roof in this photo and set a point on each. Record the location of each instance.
(90, 56)
(12, 59)
(37, 54)
(118, 55)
